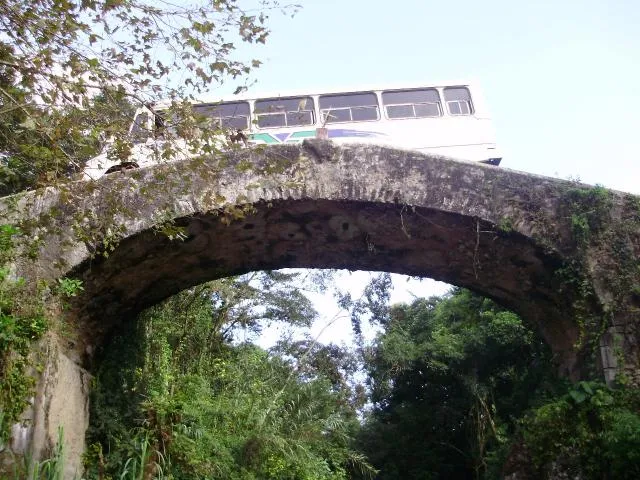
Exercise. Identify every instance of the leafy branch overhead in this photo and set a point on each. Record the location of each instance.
(63, 49)
(58, 58)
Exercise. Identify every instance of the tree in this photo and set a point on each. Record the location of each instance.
(591, 431)
(337, 364)
(190, 401)
(448, 378)
(35, 155)
(58, 56)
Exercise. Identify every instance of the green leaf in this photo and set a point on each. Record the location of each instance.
(577, 396)
(586, 387)
(29, 124)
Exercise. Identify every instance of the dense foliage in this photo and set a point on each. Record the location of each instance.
(35, 155)
(590, 431)
(187, 403)
(22, 321)
(458, 388)
(449, 376)
(466, 390)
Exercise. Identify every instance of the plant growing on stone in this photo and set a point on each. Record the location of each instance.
(22, 321)
(69, 287)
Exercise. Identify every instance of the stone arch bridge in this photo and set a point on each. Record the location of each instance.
(560, 254)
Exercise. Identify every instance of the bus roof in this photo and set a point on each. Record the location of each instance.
(245, 96)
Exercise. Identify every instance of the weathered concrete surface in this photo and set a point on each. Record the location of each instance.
(502, 233)
(62, 401)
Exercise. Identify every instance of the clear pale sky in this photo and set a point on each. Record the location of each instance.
(562, 78)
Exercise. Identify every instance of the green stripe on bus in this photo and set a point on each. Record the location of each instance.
(264, 137)
(303, 134)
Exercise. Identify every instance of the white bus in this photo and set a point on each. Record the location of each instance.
(449, 119)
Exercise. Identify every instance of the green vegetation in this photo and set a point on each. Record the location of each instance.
(463, 388)
(69, 84)
(589, 209)
(505, 225)
(189, 404)
(53, 467)
(602, 230)
(456, 385)
(42, 146)
(449, 377)
(591, 430)
(22, 321)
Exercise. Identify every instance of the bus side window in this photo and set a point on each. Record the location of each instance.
(284, 112)
(349, 107)
(458, 100)
(140, 128)
(418, 103)
(230, 115)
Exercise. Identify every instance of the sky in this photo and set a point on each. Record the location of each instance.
(561, 78)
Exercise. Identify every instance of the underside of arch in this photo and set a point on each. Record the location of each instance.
(459, 249)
